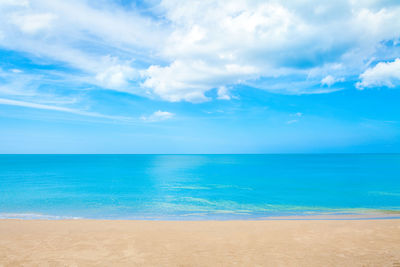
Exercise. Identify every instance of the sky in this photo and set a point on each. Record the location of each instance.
(207, 76)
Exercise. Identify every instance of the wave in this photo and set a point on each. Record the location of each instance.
(35, 216)
(188, 205)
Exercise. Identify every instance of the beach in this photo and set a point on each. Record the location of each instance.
(199, 133)
(199, 243)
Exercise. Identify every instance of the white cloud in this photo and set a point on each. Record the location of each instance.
(33, 23)
(383, 74)
(115, 75)
(16, 83)
(223, 93)
(266, 39)
(158, 116)
(24, 3)
(57, 108)
(329, 80)
(186, 48)
(189, 80)
(101, 41)
(297, 115)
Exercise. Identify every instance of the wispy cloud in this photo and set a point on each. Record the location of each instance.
(224, 94)
(297, 117)
(33, 23)
(61, 109)
(158, 116)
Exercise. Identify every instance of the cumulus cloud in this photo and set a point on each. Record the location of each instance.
(158, 116)
(266, 39)
(383, 74)
(189, 80)
(115, 75)
(330, 80)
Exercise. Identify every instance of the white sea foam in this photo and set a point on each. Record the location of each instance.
(35, 216)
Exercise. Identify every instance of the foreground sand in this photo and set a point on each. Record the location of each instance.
(212, 243)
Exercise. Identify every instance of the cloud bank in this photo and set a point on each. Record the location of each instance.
(182, 50)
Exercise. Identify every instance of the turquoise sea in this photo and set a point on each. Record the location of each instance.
(192, 187)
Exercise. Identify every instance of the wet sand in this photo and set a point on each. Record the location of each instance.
(203, 243)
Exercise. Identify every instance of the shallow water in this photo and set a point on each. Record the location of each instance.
(197, 186)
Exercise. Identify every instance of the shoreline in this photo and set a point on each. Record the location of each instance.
(85, 242)
(342, 215)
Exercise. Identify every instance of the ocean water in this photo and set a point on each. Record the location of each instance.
(186, 187)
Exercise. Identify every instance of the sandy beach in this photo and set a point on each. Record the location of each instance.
(202, 243)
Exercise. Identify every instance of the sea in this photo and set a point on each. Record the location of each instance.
(199, 187)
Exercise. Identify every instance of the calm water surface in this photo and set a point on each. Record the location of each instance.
(196, 186)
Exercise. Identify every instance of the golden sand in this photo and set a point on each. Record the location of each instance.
(207, 243)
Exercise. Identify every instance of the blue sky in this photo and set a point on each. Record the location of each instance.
(199, 76)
